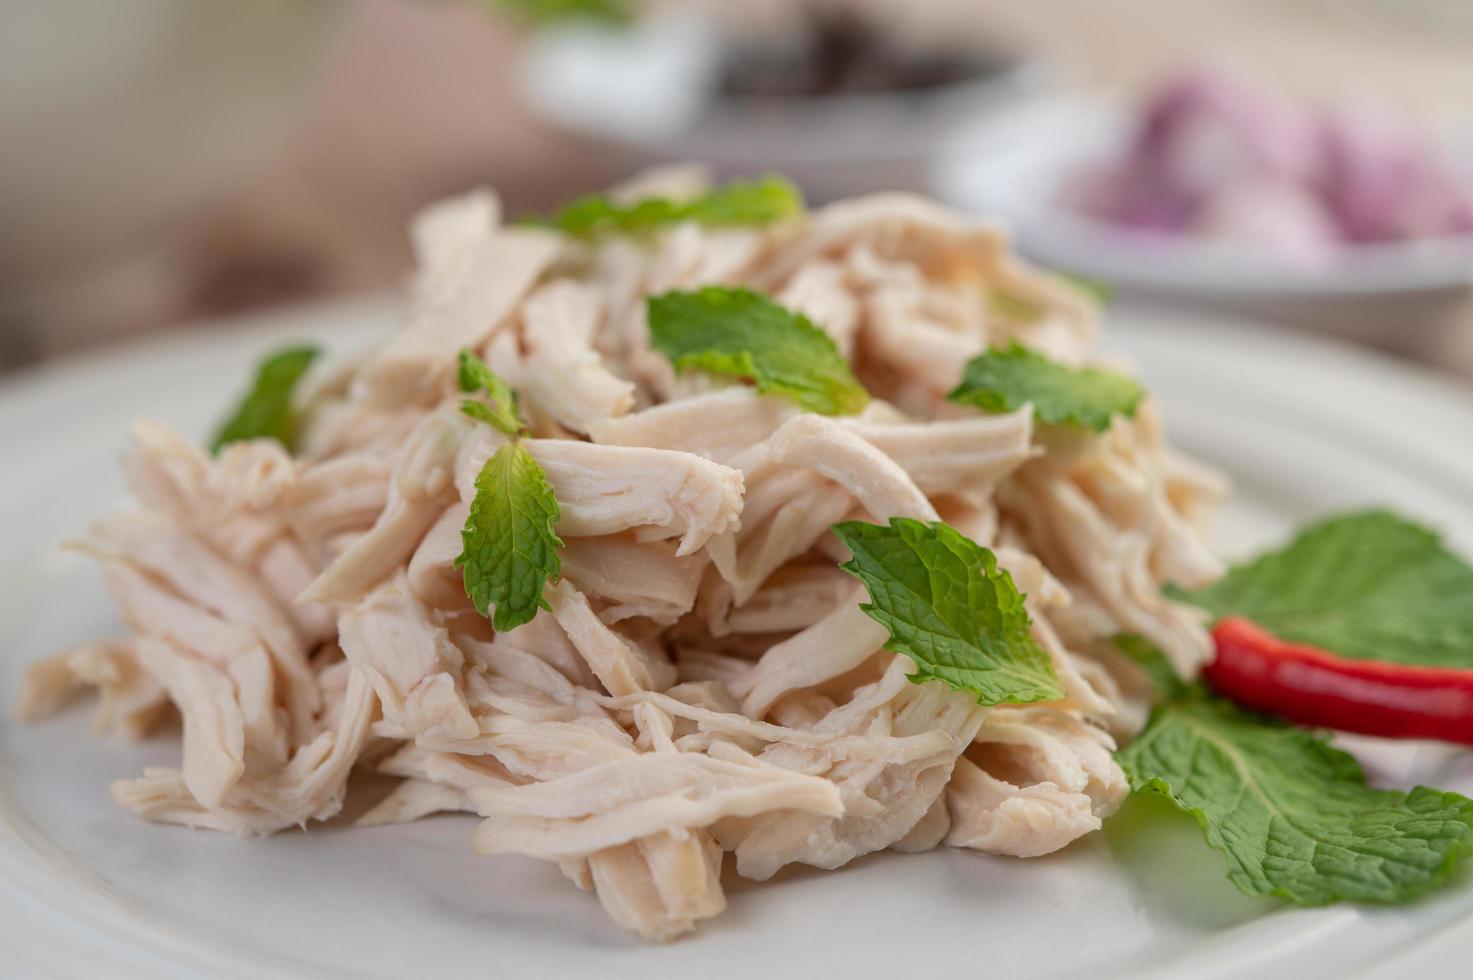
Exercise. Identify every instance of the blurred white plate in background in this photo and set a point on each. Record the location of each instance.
(1015, 164)
(651, 91)
(88, 890)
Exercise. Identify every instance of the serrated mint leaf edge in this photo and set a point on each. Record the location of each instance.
(1083, 413)
(1034, 690)
(1334, 758)
(508, 617)
(828, 387)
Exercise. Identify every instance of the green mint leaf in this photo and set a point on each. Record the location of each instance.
(502, 413)
(596, 214)
(1367, 585)
(1007, 378)
(541, 13)
(746, 202)
(267, 412)
(950, 609)
(509, 543)
(1150, 659)
(744, 334)
(1293, 815)
(756, 202)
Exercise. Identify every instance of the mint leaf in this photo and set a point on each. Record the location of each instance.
(1150, 659)
(1293, 815)
(756, 202)
(541, 13)
(509, 545)
(596, 214)
(509, 542)
(502, 412)
(266, 412)
(950, 609)
(1007, 378)
(744, 334)
(749, 202)
(1367, 585)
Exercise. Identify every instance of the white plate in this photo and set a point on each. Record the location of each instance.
(1014, 164)
(86, 890)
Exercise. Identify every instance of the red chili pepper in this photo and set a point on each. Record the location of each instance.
(1315, 687)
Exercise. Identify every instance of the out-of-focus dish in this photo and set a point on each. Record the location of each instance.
(1226, 196)
(1216, 155)
(840, 107)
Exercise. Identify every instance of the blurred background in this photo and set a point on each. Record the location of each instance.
(1307, 162)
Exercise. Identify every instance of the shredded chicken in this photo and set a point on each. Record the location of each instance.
(702, 679)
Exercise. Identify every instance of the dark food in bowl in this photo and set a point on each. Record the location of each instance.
(839, 56)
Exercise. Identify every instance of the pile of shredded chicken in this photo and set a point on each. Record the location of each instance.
(705, 681)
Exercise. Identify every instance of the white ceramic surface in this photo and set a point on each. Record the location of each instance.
(1014, 164)
(88, 891)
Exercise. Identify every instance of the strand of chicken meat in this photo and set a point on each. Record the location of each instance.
(705, 681)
